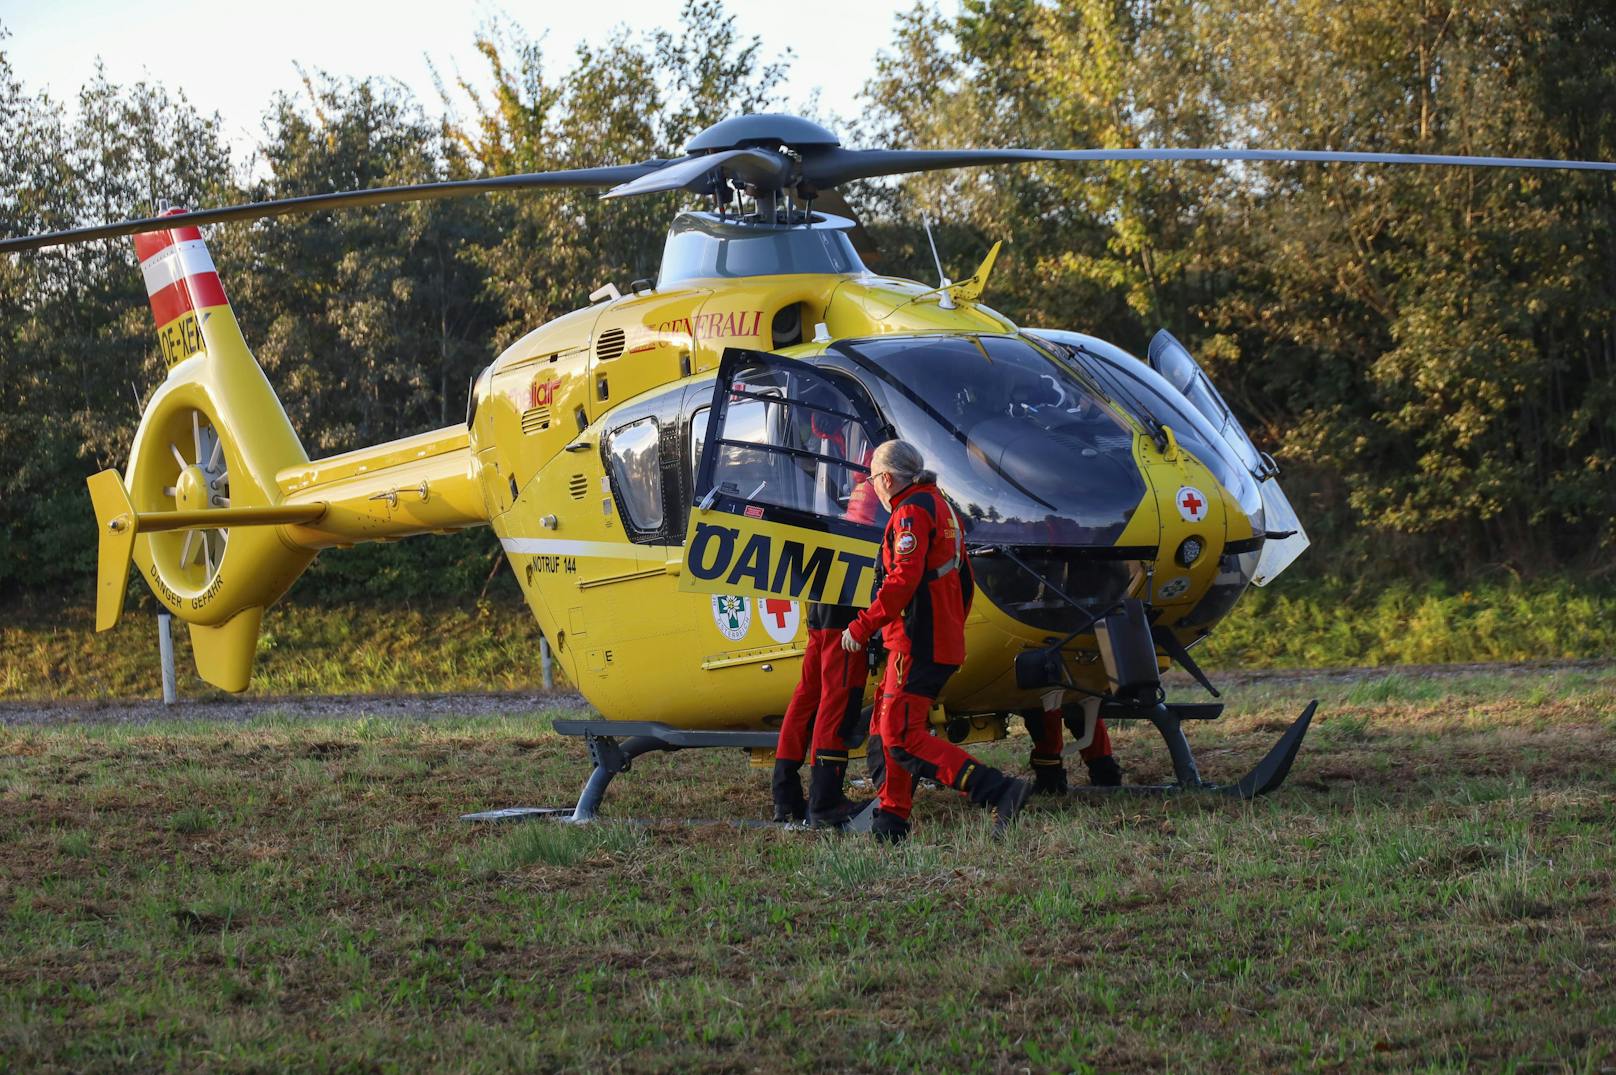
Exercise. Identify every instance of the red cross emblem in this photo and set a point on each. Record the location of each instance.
(779, 609)
(1191, 504)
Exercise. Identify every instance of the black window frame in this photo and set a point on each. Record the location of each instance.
(669, 411)
(874, 425)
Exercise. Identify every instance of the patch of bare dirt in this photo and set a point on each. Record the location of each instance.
(313, 707)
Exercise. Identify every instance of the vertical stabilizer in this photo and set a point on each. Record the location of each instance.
(182, 285)
(210, 444)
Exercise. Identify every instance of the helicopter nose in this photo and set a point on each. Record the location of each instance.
(1194, 520)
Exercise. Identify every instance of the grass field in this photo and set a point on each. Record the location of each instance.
(1433, 890)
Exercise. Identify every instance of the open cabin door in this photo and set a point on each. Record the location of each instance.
(1173, 361)
(782, 504)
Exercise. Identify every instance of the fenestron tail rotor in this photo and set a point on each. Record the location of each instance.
(202, 484)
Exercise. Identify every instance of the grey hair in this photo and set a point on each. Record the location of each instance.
(904, 460)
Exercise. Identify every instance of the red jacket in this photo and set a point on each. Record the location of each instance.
(921, 606)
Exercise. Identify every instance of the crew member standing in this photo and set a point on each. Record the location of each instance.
(825, 709)
(920, 611)
(1048, 762)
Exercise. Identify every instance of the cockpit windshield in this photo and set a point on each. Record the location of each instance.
(703, 246)
(1030, 452)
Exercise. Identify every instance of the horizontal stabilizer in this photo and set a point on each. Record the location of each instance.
(119, 523)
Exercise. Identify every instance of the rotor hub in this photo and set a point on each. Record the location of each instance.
(202, 481)
(762, 129)
(191, 491)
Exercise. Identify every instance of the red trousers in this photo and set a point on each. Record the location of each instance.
(1047, 743)
(901, 720)
(826, 704)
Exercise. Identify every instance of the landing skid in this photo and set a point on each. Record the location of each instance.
(1267, 776)
(612, 757)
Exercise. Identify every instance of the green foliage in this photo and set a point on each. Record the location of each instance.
(628, 99)
(77, 350)
(1432, 349)
(1332, 625)
(1430, 352)
(313, 643)
(305, 647)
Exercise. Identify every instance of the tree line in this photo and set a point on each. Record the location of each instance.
(1429, 352)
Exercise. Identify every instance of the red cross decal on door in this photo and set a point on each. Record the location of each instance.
(777, 608)
(1192, 503)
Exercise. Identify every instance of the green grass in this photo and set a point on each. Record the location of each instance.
(493, 644)
(1431, 891)
(1313, 625)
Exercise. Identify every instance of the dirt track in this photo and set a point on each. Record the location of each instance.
(430, 706)
(241, 710)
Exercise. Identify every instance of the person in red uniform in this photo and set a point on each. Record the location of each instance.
(1048, 763)
(920, 611)
(825, 707)
(823, 712)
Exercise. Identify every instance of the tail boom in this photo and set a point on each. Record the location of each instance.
(424, 484)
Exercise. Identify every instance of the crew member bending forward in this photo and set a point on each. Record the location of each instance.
(825, 707)
(920, 611)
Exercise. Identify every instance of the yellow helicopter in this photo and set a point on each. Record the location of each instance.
(671, 471)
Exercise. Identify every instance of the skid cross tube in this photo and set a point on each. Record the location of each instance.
(611, 757)
(1178, 747)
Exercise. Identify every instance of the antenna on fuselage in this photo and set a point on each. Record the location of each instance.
(945, 301)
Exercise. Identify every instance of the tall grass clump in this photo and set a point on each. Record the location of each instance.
(1321, 625)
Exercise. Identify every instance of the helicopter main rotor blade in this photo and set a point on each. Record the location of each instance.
(832, 166)
(348, 199)
(758, 167)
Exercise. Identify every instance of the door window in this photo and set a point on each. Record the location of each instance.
(791, 437)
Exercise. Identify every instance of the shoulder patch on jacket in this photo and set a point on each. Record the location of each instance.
(906, 542)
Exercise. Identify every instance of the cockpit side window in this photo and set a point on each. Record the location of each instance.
(786, 453)
(644, 465)
(637, 474)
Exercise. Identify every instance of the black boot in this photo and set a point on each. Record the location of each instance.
(828, 807)
(889, 828)
(1104, 772)
(789, 804)
(1004, 795)
(1048, 775)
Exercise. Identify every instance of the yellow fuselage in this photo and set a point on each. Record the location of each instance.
(633, 643)
(530, 464)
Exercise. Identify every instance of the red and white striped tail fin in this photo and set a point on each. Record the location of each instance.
(182, 285)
